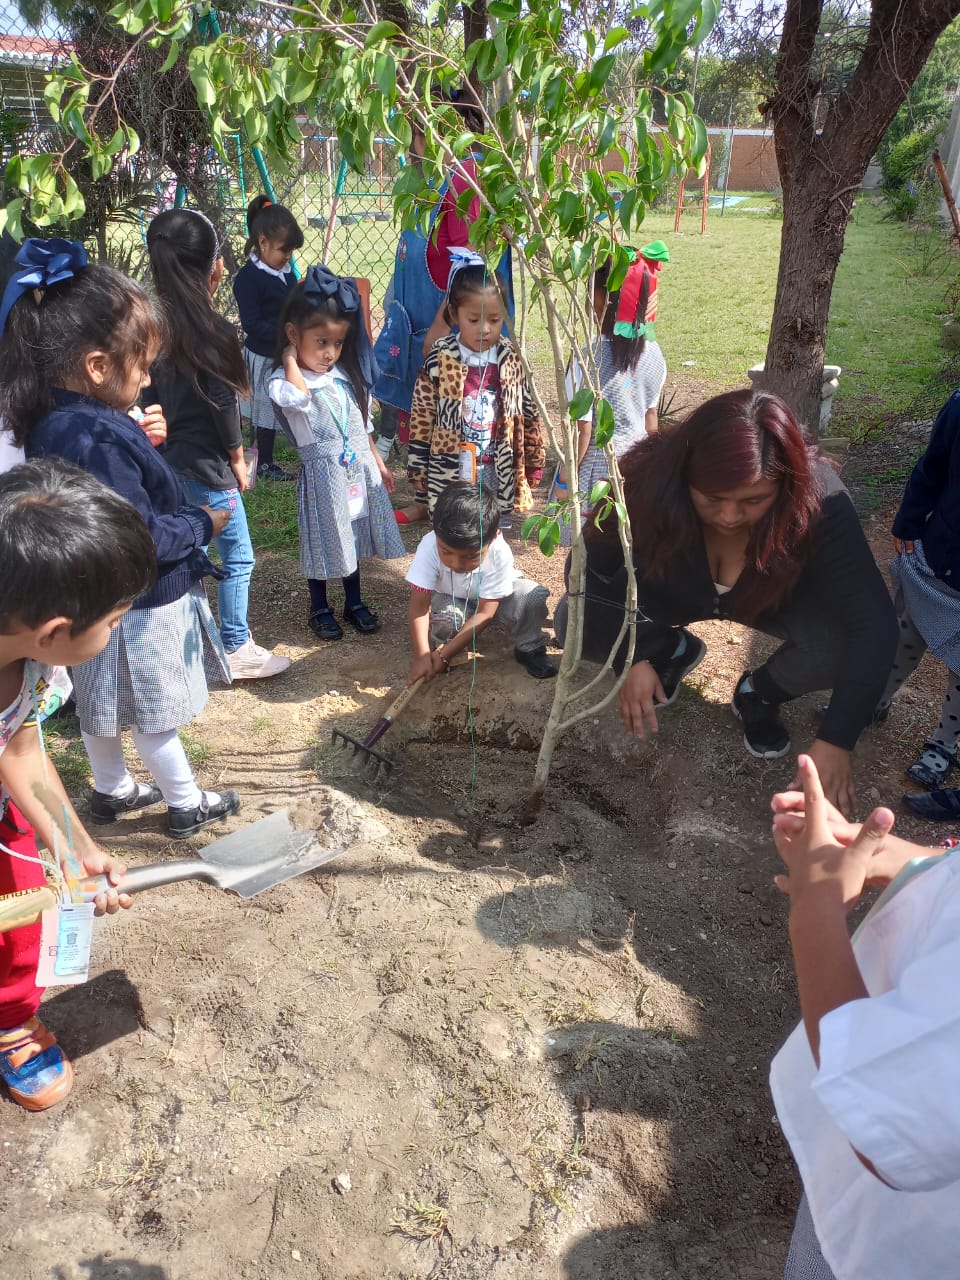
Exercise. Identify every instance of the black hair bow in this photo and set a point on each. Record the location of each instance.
(321, 283)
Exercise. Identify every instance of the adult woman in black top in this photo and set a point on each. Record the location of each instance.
(735, 515)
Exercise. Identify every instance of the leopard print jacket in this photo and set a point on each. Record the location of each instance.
(436, 416)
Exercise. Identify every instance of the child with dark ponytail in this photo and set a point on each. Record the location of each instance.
(197, 382)
(261, 287)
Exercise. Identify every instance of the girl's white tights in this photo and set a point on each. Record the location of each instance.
(164, 757)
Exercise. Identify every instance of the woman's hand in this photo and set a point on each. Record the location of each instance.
(219, 518)
(637, 700)
(241, 472)
(97, 863)
(834, 772)
(904, 545)
(818, 863)
(153, 424)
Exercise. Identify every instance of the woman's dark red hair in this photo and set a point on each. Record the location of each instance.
(730, 441)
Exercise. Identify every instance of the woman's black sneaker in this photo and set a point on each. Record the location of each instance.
(764, 735)
(105, 808)
(673, 671)
(182, 823)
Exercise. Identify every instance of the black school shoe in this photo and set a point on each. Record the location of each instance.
(270, 471)
(764, 735)
(939, 806)
(106, 808)
(362, 619)
(536, 662)
(324, 625)
(183, 823)
(673, 671)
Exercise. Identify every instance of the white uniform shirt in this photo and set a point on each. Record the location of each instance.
(889, 1086)
(493, 580)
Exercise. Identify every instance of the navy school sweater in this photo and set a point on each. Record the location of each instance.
(930, 510)
(109, 445)
(260, 297)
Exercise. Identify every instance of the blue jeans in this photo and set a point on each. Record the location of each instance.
(236, 555)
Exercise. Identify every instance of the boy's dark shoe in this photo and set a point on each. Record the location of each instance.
(536, 662)
(105, 808)
(182, 823)
(362, 619)
(325, 626)
(763, 733)
(673, 671)
(270, 471)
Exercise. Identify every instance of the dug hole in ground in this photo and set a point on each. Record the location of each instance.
(468, 1049)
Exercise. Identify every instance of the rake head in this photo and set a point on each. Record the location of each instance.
(364, 755)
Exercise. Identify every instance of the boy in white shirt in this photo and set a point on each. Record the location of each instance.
(866, 1087)
(463, 576)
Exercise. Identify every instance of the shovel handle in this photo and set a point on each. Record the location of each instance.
(150, 876)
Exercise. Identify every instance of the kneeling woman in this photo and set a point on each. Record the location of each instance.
(735, 515)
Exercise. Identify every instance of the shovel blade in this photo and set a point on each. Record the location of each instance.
(265, 853)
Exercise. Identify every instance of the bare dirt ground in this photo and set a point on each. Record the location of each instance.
(468, 1049)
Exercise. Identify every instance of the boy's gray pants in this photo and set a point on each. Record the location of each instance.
(524, 613)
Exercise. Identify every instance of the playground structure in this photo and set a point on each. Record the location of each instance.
(704, 198)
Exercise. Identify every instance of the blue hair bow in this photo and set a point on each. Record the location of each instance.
(320, 283)
(42, 263)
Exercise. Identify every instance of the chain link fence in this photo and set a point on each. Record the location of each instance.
(346, 217)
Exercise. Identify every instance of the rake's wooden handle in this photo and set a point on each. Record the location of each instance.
(25, 907)
(398, 704)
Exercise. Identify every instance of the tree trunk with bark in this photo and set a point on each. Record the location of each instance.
(820, 173)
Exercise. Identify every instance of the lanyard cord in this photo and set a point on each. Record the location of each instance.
(341, 416)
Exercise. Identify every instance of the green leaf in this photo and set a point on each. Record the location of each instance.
(599, 491)
(614, 37)
(680, 12)
(386, 74)
(700, 139)
(709, 11)
(528, 526)
(505, 9)
(381, 31)
(581, 404)
(173, 53)
(600, 72)
(549, 536)
(10, 219)
(604, 424)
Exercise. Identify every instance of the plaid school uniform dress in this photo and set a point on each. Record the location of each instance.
(137, 680)
(331, 543)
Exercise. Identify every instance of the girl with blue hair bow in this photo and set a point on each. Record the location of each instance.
(324, 371)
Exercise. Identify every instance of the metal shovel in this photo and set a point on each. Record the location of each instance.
(246, 862)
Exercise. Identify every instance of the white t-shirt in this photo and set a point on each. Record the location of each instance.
(888, 1086)
(493, 580)
(296, 406)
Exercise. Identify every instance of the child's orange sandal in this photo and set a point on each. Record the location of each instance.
(33, 1067)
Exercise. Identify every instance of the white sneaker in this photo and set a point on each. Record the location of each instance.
(251, 662)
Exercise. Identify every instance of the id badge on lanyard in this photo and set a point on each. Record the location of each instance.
(356, 482)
